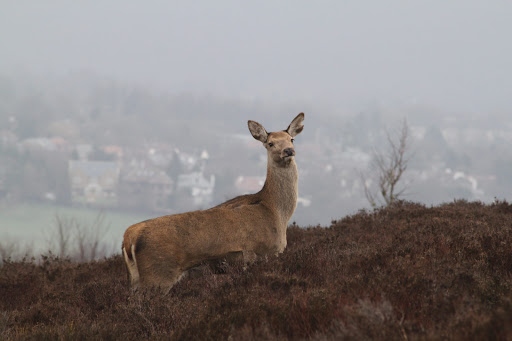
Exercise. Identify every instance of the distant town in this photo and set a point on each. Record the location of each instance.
(133, 151)
(164, 178)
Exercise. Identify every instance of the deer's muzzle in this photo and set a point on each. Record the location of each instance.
(288, 152)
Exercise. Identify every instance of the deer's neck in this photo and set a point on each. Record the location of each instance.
(281, 189)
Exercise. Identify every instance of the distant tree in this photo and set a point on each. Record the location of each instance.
(388, 169)
(8, 249)
(78, 241)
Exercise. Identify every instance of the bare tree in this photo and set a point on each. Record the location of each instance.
(7, 249)
(88, 238)
(389, 168)
(11, 250)
(62, 234)
(80, 242)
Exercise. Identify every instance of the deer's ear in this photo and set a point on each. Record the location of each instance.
(257, 131)
(296, 126)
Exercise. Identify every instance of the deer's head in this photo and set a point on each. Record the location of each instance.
(279, 144)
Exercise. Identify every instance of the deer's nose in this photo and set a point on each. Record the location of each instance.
(289, 152)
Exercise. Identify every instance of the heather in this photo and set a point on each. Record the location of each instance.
(403, 272)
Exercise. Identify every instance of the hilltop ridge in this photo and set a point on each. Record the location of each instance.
(402, 272)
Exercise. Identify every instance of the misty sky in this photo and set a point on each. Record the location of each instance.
(453, 55)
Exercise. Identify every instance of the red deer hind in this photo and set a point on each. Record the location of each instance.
(157, 252)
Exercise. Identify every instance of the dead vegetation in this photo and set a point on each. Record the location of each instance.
(76, 240)
(388, 169)
(403, 272)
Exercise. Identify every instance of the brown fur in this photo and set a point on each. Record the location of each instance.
(157, 252)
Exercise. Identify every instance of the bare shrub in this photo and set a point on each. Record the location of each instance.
(8, 249)
(79, 241)
(388, 169)
(61, 237)
(12, 250)
(88, 239)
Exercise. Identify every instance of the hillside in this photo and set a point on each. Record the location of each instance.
(405, 272)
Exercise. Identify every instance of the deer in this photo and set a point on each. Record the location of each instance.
(160, 251)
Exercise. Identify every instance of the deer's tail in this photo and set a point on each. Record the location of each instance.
(131, 265)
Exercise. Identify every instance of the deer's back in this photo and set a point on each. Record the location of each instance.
(243, 223)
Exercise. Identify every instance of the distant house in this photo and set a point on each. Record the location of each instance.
(188, 161)
(160, 155)
(144, 187)
(93, 182)
(198, 186)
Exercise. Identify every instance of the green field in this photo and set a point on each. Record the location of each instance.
(31, 225)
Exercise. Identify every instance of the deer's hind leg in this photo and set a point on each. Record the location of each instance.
(163, 281)
(158, 274)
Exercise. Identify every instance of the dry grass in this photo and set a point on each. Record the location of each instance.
(404, 272)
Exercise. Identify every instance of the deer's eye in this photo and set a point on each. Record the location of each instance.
(270, 144)
(293, 140)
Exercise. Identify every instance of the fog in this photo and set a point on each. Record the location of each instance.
(450, 54)
(158, 84)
